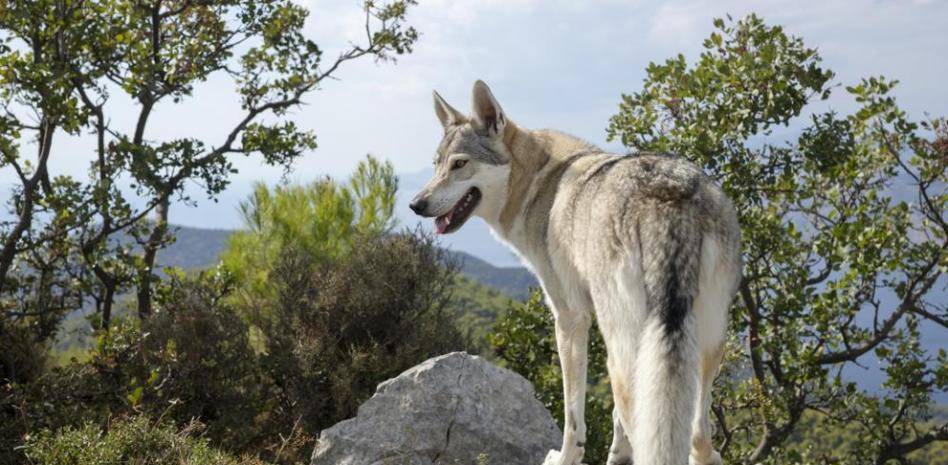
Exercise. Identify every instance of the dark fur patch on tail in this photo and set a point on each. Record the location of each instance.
(672, 251)
(677, 303)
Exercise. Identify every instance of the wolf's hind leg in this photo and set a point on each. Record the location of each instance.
(620, 307)
(718, 283)
(702, 452)
(620, 453)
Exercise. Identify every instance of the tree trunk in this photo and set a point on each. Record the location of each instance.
(149, 254)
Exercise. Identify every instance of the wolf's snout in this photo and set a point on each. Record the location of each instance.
(419, 205)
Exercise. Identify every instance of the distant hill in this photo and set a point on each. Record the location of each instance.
(514, 281)
(197, 248)
(194, 247)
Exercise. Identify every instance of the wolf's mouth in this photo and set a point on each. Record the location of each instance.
(460, 212)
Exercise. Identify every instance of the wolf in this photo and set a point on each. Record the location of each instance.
(646, 243)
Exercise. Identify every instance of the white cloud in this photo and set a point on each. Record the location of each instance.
(676, 24)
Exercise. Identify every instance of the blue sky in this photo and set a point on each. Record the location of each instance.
(553, 63)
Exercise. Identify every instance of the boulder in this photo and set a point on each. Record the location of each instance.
(452, 409)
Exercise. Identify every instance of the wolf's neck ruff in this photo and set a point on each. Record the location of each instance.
(538, 158)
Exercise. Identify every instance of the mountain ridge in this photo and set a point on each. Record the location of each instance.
(201, 247)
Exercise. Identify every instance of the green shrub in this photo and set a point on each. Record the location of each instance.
(191, 360)
(70, 395)
(135, 441)
(335, 301)
(22, 358)
(337, 330)
(199, 363)
(264, 382)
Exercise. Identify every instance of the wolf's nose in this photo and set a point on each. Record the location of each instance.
(418, 206)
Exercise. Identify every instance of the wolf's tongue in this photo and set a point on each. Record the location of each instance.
(442, 222)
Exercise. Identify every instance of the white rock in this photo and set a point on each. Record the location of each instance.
(452, 409)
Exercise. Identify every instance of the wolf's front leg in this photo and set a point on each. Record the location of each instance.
(572, 335)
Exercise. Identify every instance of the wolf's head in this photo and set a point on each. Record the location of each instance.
(472, 164)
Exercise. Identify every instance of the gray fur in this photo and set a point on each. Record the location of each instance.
(463, 138)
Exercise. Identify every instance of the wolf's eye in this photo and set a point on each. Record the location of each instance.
(458, 164)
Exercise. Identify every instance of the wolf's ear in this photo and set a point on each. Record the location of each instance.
(446, 113)
(488, 115)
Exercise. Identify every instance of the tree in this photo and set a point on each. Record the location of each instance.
(845, 238)
(323, 219)
(61, 64)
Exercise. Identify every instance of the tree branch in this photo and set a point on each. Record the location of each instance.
(753, 331)
(901, 449)
(25, 219)
(915, 289)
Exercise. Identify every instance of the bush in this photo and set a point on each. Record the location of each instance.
(339, 329)
(335, 301)
(91, 391)
(264, 382)
(191, 361)
(135, 441)
(22, 358)
(199, 363)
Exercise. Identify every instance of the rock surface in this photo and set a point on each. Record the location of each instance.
(452, 409)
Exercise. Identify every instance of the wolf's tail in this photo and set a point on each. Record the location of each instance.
(667, 359)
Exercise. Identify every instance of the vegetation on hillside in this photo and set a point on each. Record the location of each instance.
(477, 308)
(264, 373)
(515, 282)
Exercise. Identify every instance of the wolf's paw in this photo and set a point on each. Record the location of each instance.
(620, 452)
(714, 458)
(619, 460)
(554, 457)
